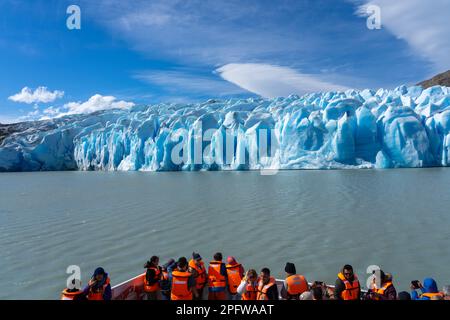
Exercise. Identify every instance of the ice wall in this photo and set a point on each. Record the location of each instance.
(405, 127)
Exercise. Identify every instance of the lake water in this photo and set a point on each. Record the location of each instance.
(320, 220)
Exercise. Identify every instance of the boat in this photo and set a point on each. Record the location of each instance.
(133, 289)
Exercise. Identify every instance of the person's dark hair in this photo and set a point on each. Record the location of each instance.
(153, 259)
(347, 267)
(252, 272)
(151, 262)
(218, 256)
(182, 262)
(266, 271)
(317, 293)
(404, 296)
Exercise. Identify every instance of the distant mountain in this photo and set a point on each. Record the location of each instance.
(442, 79)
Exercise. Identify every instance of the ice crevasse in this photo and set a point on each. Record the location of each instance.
(404, 127)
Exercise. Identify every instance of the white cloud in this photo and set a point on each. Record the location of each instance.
(422, 24)
(95, 103)
(41, 94)
(274, 81)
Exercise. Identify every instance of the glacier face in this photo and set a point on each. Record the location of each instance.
(405, 127)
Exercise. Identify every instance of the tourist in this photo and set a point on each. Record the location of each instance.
(267, 287)
(347, 285)
(386, 290)
(99, 287)
(164, 283)
(217, 278)
(317, 293)
(235, 273)
(294, 284)
(404, 296)
(248, 289)
(197, 267)
(183, 282)
(429, 289)
(152, 279)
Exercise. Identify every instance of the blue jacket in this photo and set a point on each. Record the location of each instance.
(429, 286)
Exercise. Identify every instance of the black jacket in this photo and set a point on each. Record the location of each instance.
(272, 293)
(151, 276)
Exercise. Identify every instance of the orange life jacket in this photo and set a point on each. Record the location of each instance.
(251, 292)
(234, 277)
(296, 285)
(180, 288)
(155, 286)
(215, 278)
(351, 288)
(382, 289)
(98, 294)
(200, 277)
(263, 288)
(431, 294)
(66, 295)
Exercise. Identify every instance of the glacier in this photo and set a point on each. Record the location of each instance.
(408, 127)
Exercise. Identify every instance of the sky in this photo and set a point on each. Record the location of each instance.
(149, 51)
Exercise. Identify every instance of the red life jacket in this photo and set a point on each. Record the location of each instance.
(215, 278)
(234, 277)
(431, 294)
(180, 286)
(155, 286)
(263, 288)
(97, 294)
(251, 292)
(351, 288)
(200, 278)
(66, 295)
(296, 285)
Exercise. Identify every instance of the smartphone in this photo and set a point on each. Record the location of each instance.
(415, 284)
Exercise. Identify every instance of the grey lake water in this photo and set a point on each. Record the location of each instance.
(320, 220)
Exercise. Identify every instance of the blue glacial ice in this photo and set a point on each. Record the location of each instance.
(405, 127)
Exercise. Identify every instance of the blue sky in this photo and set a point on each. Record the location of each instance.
(133, 52)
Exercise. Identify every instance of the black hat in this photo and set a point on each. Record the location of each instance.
(290, 268)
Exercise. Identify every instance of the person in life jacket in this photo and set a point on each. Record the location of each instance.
(183, 282)
(235, 274)
(152, 278)
(248, 289)
(217, 279)
(347, 285)
(72, 293)
(429, 291)
(164, 283)
(294, 284)
(197, 267)
(382, 287)
(99, 287)
(267, 286)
